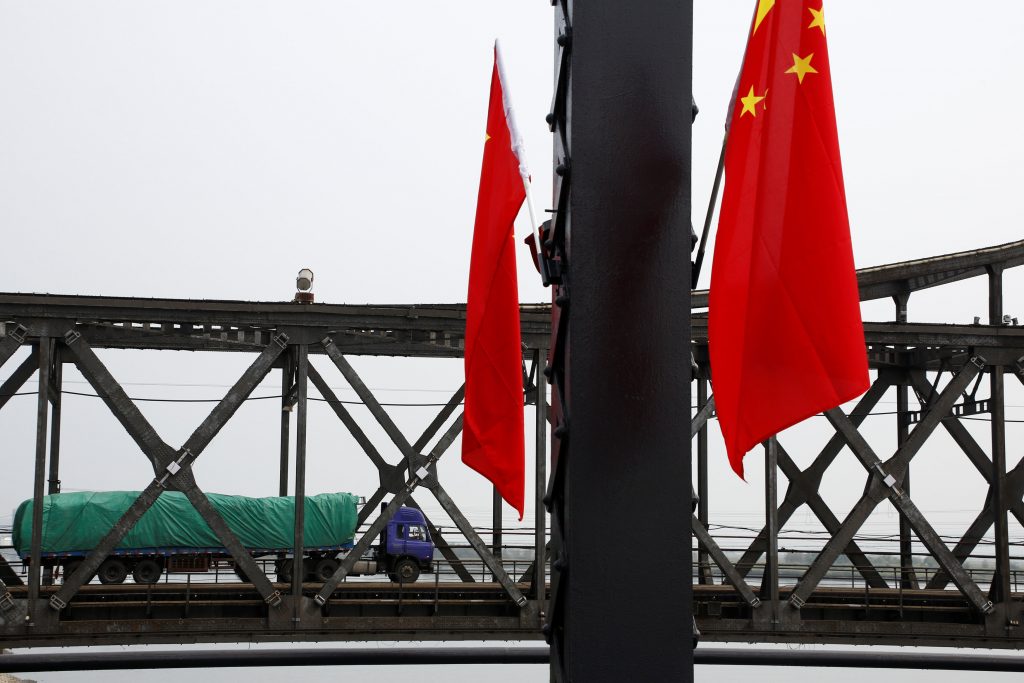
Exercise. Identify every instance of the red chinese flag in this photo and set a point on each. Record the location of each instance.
(492, 437)
(785, 333)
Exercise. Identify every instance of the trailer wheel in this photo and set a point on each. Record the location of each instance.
(406, 570)
(324, 569)
(147, 571)
(285, 569)
(112, 571)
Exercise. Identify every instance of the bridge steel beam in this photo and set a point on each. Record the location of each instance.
(803, 490)
(173, 469)
(883, 480)
(413, 461)
(628, 111)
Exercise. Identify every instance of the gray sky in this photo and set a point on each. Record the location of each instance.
(210, 150)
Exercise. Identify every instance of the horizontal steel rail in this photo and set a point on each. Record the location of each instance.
(202, 659)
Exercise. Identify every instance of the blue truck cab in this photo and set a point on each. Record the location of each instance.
(406, 548)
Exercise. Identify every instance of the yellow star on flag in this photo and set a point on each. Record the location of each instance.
(802, 66)
(487, 136)
(763, 8)
(819, 18)
(750, 102)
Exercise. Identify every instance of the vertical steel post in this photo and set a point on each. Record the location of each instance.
(496, 526)
(57, 379)
(628, 372)
(908, 577)
(540, 484)
(302, 367)
(287, 381)
(703, 561)
(1000, 590)
(770, 580)
(42, 411)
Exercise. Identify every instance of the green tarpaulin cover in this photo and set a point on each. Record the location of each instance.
(76, 522)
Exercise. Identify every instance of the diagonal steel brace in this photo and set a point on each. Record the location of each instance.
(883, 483)
(18, 378)
(173, 470)
(12, 342)
(716, 553)
(803, 489)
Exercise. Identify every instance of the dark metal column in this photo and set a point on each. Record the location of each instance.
(42, 411)
(999, 593)
(287, 382)
(908, 577)
(703, 561)
(496, 526)
(629, 341)
(298, 571)
(770, 581)
(57, 380)
(540, 484)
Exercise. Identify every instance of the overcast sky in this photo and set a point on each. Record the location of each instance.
(211, 149)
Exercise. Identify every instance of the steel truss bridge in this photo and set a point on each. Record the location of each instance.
(744, 595)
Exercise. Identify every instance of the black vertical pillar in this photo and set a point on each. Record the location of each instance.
(1000, 590)
(302, 373)
(540, 484)
(628, 467)
(57, 379)
(908, 576)
(703, 561)
(287, 381)
(42, 413)
(770, 580)
(496, 526)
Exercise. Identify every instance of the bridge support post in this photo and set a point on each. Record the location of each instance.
(703, 561)
(628, 366)
(770, 579)
(298, 570)
(540, 484)
(43, 408)
(999, 593)
(287, 383)
(908, 577)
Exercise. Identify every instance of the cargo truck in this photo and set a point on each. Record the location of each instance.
(172, 537)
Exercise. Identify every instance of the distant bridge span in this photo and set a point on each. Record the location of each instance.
(941, 365)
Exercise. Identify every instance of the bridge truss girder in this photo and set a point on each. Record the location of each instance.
(938, 364)
(286, 347)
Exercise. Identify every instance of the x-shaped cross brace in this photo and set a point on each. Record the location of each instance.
(803, 489)
(173, 469)
(422, 471)
(883, 483)
(974, 452)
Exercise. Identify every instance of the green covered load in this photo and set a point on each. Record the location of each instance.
(74, 523)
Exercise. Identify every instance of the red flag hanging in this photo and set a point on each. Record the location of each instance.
(785, 333)
(492, 437)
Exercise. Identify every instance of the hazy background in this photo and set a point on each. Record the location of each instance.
(211, 149)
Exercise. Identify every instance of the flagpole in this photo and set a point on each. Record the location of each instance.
(518, 147)
(711, 212)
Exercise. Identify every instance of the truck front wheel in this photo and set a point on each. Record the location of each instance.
(406, 570)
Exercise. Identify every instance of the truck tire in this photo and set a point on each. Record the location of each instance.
(112, 571)
(406, 570)
(147, 571)
(324, 569)
(285, 569)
